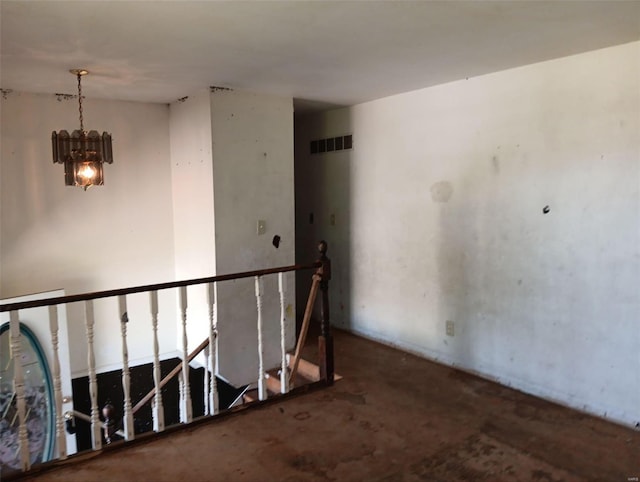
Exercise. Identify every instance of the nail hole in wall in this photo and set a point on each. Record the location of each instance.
(545, 209)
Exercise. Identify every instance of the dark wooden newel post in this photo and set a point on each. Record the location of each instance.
(325, 340)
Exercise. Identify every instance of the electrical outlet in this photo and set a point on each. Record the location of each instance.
(450, 328)
(261, 227)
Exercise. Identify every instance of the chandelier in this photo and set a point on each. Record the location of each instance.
(82, 152)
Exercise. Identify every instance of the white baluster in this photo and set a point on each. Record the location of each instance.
(18, 389)
(61, 439)
(96, 436)
(284, 374)
(185, 392)
(157, 406)
(129, 432)
(205, 352)
(262, 385)
(181, 391)
(213, 349)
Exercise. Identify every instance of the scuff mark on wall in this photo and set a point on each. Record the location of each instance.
(495, 161)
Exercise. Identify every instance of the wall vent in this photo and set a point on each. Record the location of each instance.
(332, 144)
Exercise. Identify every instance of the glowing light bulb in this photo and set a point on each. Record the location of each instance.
(87, 172)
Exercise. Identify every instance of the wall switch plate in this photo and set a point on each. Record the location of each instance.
(450, 328)
(262, 226)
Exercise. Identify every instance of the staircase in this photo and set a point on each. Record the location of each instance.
(307, 373)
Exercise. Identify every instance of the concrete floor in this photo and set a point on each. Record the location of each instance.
(394, 417)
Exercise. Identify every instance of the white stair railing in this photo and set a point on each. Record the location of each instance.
(210, 344)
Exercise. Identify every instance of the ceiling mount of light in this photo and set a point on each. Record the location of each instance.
(82, 152)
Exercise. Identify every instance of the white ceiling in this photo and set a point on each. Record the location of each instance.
(325, 52)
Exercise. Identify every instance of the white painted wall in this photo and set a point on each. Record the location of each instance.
(232, 165)
(253, 180)
(153, 220)
(118, 235)
(439, 216)
(192, 186)
(193, 209)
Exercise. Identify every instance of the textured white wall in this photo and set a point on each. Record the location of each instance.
(439, 216)
(253, 180)
(118, 235)
(158, 194)
(193, 209)
(232, 165)
(192, 186)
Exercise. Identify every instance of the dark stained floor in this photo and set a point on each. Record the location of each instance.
(394, 417)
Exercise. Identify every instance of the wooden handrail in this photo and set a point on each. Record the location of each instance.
(305, 327)
(325, 340)
(74, 413)
(321, 279)
(154, 287)
(69, 414)
(171, 374)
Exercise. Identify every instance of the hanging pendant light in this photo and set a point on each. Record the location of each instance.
(82, 152)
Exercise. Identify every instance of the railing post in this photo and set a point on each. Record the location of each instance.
(129, 432)
(212, 367)
(96, 436)
(61, 440)
(185, 388)
(18, 389)
(110, 425)
(205, 398)
(157, 406)
(284, 372)
(325, 340)
(262, 382)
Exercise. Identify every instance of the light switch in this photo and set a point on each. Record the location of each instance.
(450, 328)
(262, 226)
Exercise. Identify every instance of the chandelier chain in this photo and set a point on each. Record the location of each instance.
(80, 102)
